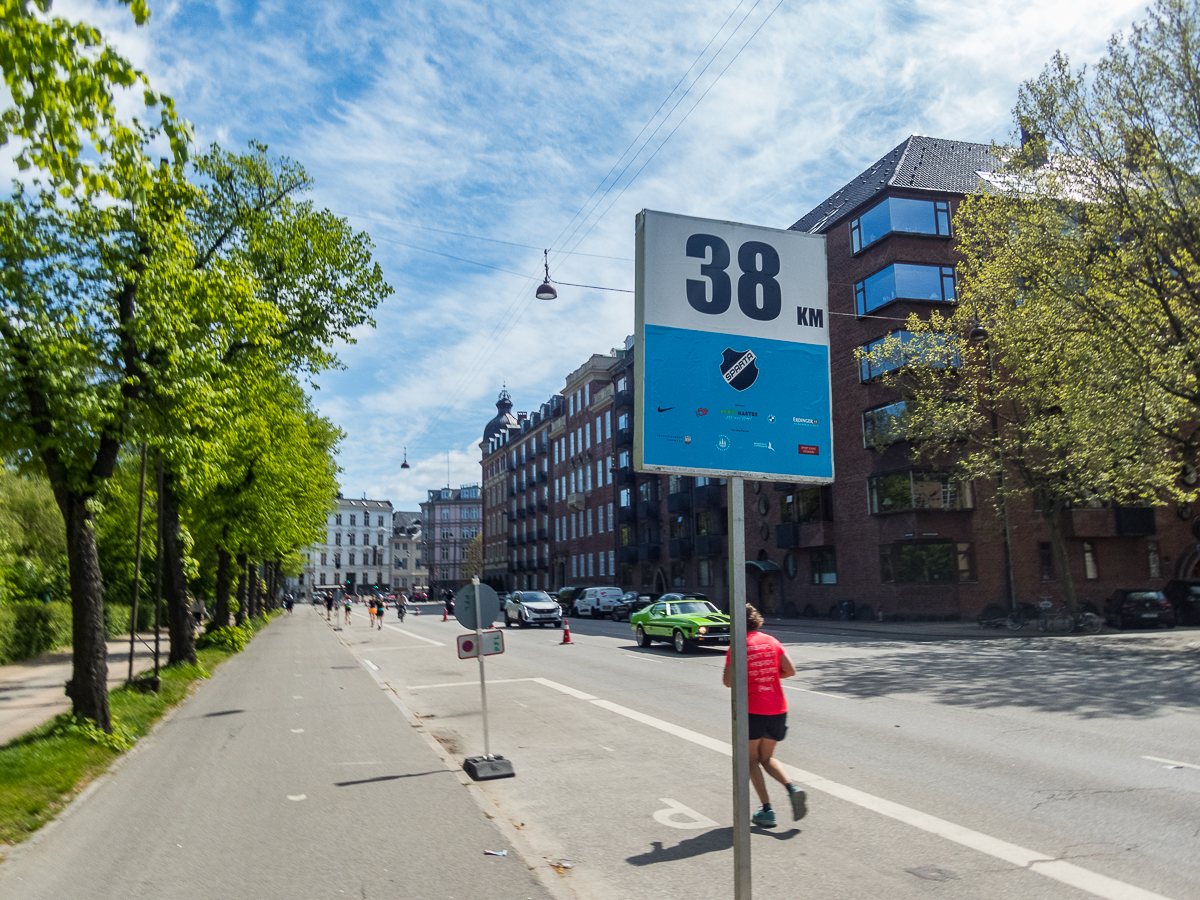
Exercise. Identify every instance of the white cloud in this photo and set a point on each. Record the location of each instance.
(499, 120)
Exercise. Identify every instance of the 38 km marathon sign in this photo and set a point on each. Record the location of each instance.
(732, 351)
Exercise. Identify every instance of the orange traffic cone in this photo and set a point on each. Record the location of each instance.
(418, 610)
(444, 617)
(567, 632)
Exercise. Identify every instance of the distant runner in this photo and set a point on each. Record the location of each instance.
(328, 606)
(347, 610)
(766, 663)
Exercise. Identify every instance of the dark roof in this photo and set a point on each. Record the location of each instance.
(920, 163)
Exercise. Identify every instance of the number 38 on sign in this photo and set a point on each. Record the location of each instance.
(492, 643)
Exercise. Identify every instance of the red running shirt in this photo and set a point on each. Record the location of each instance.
(763, 653)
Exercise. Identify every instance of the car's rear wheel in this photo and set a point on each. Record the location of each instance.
(682, 644)
(643, 639)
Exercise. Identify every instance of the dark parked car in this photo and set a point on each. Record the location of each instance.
(1129, 609)
(630, 603)
(1184, 595)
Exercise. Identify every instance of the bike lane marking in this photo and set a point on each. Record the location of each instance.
(1171, 762)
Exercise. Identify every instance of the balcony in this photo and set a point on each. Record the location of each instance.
(679, 503)
(627, 554)
(626, 475)
(542, 477)
(681, 548)
(512, 491)
(543, 562)
(512, 542)
(648, 552)
(623, 399)
(520, 485)
(531, 510)
(1089, 523)
(711, 495)
(709, 545)
(795, 535)
(520, 512)
(543, 534)
(512, 516)
(782, 485)
(1135, 521)
(512, 567)
(534, 450)
(627, 515)
(647, 509)
(576, 500)
(543, 505)
(521, 539)
(624, 437)
(521, 565)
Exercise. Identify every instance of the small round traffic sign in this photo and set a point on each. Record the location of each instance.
(468, 646)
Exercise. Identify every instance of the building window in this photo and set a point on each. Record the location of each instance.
(926, 562)
(608, 423)
(337, 520)
(704, 568)
(610, 517)
(337, 539)
(323, 560)
(677, 579)
(351, 562)
(574, 566)
(899, 215)
(445, 553)
(966, 562)
(626, 497)
(917, 490)
(589, 523)
(906, 346)
(805, 505)
(1154, 559)
(612, 562)
(905, 281)
(337, 560)
(623, 420)
(353, 520)
(1046, 561)
(351, 535)
(1089, 561)
(707, 523)
(883, 424)
(322, 578)
(446, 514)
(591, 569)
(824, 565)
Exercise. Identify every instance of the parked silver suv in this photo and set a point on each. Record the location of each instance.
(527, 608)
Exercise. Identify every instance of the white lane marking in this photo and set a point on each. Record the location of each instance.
(675, 808)
(297, 731)
(642, 657)
(792, 687)
(371, 664)
(413, 634)
(297, 697)
(1171, 762)
(1067, 873)
(446, 684)
(609, 749)
(569, 691)
(297, 797)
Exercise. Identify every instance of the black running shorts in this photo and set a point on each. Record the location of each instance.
(772, 727)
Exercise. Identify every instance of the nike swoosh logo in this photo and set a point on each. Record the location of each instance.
(665, 409)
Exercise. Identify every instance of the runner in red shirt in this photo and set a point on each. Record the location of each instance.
(767, 662)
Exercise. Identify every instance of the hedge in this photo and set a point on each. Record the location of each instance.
(28, 629)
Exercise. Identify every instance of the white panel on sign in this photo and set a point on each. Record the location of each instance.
(491, 641)
(732, 351)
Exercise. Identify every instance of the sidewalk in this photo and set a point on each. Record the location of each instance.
(31, 691)
(289, 775)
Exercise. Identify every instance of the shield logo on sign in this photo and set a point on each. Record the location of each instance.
(738, 368)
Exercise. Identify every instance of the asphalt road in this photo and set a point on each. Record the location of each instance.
(956, 769)
(1008, 769)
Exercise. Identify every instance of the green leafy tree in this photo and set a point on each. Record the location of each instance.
(33, 558)
(472, 565)
(62, 78)
(1110, 222)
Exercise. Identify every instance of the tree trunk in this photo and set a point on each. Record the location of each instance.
(88, 687)
(179, 604)
(221, 612)
(252, 572)
(241, 589)
(1053, 513)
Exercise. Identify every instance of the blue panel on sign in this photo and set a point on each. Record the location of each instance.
(732, 402)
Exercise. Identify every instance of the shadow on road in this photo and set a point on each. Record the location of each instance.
(1085, 680)
(390, 778)
(710, 842)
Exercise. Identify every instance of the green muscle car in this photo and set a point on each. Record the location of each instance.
(685, 620)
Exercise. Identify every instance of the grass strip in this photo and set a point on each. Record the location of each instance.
(44, 769)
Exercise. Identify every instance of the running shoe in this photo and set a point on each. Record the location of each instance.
(764, 818)
(799, 802)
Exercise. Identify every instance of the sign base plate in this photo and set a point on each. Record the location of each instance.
(483, 768)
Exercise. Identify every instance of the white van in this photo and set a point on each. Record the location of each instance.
(597, 602)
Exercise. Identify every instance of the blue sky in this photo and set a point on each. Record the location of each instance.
(499, 120)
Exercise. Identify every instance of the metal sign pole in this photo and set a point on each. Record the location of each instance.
(487, 744)
(738, 699)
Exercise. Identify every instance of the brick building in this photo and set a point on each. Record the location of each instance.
(450, 520)
(896, 538)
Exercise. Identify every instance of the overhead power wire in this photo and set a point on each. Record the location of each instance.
(516, 309)
(596, 221)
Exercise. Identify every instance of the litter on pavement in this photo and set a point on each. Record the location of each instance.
(495, 853)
